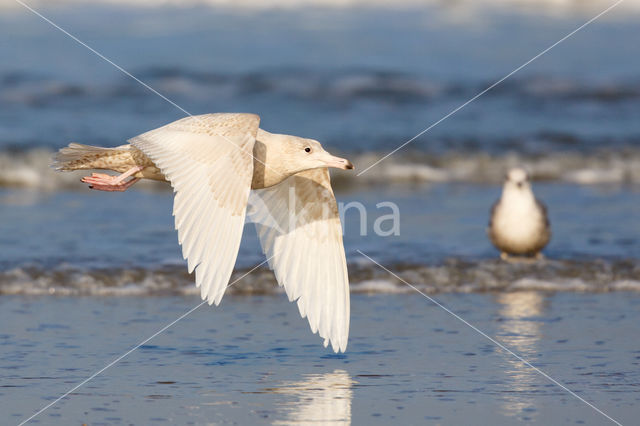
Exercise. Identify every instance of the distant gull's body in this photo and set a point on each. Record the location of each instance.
(519, 225)
(213, 162)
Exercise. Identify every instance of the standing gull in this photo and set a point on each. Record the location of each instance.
(519, 224)
(213, 162)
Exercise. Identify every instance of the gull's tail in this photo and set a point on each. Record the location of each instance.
(77, 156)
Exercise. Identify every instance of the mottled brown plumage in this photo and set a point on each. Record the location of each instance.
(119, 159)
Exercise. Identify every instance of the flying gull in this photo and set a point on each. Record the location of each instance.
(213, 162)
(519, 225)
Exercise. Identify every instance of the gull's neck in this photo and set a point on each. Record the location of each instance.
(516, 198)
(270, 165)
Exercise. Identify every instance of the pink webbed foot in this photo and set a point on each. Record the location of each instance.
(105, 182)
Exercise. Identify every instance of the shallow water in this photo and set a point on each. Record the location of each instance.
(86, 276)
(252, 360)
(92, 243)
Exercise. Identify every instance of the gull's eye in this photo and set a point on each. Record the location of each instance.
(307, 149)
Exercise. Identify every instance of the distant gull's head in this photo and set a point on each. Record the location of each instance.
(517, 179)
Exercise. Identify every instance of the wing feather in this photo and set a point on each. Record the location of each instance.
(299, 229)
(208, 161)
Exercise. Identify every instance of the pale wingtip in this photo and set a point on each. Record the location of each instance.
(337, 347)
(209, 300)
(217, 299)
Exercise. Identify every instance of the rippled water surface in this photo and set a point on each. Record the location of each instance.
(86, 276)
(92, 248)
(252, 360)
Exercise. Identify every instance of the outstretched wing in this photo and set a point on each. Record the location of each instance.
(299, 228)
(208, 160)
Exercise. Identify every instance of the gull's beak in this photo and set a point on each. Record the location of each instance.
(337, 162)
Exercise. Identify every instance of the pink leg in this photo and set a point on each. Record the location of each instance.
(105, 182)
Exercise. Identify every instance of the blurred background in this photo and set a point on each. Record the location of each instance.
(362, 77)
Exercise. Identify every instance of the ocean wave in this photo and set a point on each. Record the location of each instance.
(30, 169)
(451, 276)
(295, 84)
(312, 85)
(606, 167)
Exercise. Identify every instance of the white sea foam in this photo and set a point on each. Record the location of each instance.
(452, 276)
(378, 286)
(30, 169)
(580, 168)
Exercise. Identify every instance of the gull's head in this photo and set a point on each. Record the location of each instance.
(280, 156)
(517, 179)
(308, 154)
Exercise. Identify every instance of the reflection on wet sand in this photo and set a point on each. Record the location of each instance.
(319, 399)
(520, 332)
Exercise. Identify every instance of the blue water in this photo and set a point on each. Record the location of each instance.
(85, 276)
(253, 361)
(360, 80)
(435, 222)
